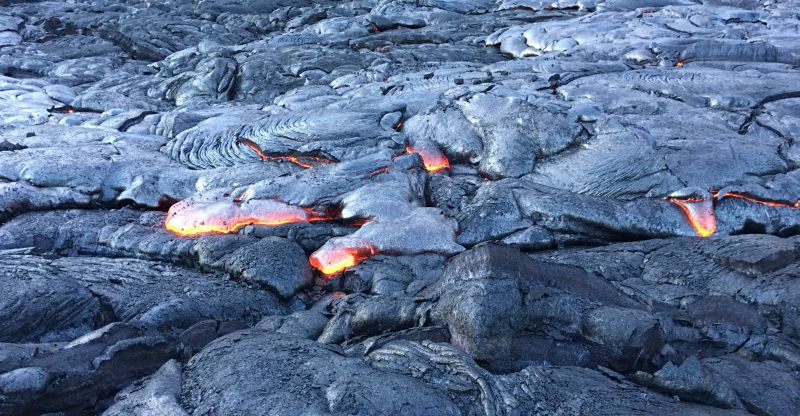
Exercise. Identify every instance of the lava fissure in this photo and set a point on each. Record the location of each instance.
(68, 109)
(699, 210)
(762, 201)
(756, 110)
(306, 161)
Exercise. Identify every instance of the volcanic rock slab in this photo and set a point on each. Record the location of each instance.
(472, 207)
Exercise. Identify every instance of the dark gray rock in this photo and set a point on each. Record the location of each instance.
(297, 376)
(492, 298)
(350, 151)
(78, 375)
(763, 387)
(156, 395)
(77, 294)
(35, 305)
(692, 381)
(273, 263)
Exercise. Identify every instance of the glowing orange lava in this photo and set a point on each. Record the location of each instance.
(433, 159)
(67, 109)
(768, 202)
(378, 171)
(339, 254)
(306, 162)
(191, 218)
(699, 212)
(680, 64)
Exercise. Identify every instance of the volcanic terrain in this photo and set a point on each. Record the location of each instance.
(400, 207)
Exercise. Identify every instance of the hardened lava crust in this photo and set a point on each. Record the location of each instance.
(400, 207)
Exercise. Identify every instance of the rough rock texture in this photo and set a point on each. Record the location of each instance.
(372, 207)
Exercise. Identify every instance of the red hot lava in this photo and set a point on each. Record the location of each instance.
(768, 202)
(340, 253)
(191, 218)
(433, 158)
(67, 109)
(306, 162)
(699, 211)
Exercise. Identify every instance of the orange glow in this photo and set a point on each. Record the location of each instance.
(358, 222)
(339, 254)
(433, 159)
(379, 171)
(306, 162)
(767, 202)
(699, 212)
(67, 109)
(374, 27)
(680, 64)
(190, 218)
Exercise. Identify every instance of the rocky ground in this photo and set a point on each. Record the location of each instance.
(409, 207)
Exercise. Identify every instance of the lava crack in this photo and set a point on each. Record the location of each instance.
(698, 206)
(304, 161)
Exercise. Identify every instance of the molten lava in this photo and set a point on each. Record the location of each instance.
(67, 109)
(339, 254)
(378, 171)
(699, 212)
(191, 218)
(303, 161)
(680, 64)
(433, 158)
(698, 206)
(768, 202)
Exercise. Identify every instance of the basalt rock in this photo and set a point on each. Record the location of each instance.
(493, 207)
(78, 376)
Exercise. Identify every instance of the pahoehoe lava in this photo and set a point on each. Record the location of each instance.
(399, 207)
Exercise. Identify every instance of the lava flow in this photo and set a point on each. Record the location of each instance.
(433, 159)
(191, 218)
(67, 109)
(768, 202)
(699, 211)
(303, 161)
(339, 254)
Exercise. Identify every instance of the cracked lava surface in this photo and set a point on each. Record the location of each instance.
(482, 207)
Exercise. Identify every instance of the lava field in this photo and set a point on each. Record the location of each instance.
(400, 207)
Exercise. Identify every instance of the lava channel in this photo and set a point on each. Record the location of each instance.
(768, 202)
(68, 109)
(433, 158)
(304, 161)
(191, 218)
(699, 211)
(340, 253)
